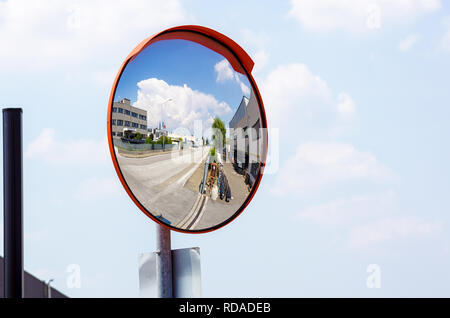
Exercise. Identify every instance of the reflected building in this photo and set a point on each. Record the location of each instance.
(188, 140)
(157, 133)
(245, 138)
(126, 117)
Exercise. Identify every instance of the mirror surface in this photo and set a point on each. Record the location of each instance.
(187, 133)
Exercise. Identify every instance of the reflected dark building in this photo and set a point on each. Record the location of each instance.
(245, 138)
(126, 117)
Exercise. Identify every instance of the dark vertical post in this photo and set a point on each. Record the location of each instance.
(163, 262)
(12, 202)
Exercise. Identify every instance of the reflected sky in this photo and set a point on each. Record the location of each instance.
(180, 62)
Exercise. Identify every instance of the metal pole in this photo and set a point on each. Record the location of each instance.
(162, 126)
(49, 288)
(12, 202)
(163, 262)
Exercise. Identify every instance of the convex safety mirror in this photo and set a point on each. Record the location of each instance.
(187, 130)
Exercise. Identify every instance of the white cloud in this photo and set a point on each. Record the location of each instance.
(254, 40)
(48, 148)
(96, 188)
(290, 88)
(46, 33)
(407, 43)
(255, 45)
(260, 58)
(294, 81)
(358, 16)
(389, 229)
(225, 73)
(187, 105)
(347, 210)
(345, 106)
(244, 88)
(294, 91)
(317, 165)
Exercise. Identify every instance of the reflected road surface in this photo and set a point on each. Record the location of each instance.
(158, 181)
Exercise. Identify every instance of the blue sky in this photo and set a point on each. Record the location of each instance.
(179, 63)
(359, 94)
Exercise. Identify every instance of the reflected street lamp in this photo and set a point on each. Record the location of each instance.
(162, 103)
(49, 289)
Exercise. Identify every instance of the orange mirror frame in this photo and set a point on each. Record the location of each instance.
(239, 60)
